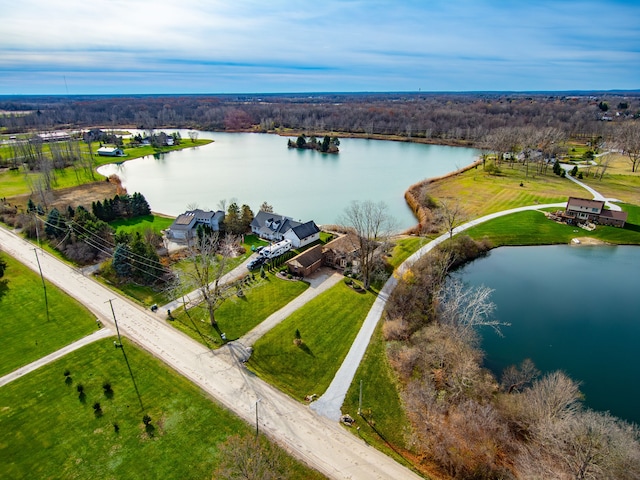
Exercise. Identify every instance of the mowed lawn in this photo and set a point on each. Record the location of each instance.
(480, 193)
(25, 331)
(157, 223)
(238, 315)
(47, 430)
(385, 422)
(533, 228)
(328, 325)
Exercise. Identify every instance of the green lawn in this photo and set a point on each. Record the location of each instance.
(48, 431)
(384, 422)
(26, 333)
(328, 325)
(139, 224)
(17, 182)
(404, 248)
(533, 228)
(238, 315)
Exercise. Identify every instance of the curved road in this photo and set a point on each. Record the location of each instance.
(321, 443)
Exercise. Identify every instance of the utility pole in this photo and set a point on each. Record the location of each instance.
(119, 344)
(44, 286)
(257, 424)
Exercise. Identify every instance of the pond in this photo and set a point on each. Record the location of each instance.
(303, 184)
(571, 308)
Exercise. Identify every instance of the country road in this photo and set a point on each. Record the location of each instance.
(321, 443)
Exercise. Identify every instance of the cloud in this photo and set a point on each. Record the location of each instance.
(332, 46)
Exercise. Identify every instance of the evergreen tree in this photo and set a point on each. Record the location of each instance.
(326, 141)
(55, 226)
(30, 206)
(247, 218)
(121, 261)
(3, 267)
(233, 220)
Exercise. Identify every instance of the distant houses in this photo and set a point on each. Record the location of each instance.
(185, 225)
(111, 152)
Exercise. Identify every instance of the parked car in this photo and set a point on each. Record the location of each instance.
(256, 263)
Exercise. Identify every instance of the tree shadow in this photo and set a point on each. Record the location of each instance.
(82, 397)
(4, 288)
(68, 380)
(305, 348)
(150, 429)
(384, 439)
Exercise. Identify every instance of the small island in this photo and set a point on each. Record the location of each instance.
(328, 144)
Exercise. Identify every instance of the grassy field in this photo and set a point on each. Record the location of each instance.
(238, 315)
(480, 193)
(18, 182)
(139, 224)
(533, 228)
(404, 248)
(328, 325)
(26, 333)
(47, 430)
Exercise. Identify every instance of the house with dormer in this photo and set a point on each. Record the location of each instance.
(185, 225)
(271, 226)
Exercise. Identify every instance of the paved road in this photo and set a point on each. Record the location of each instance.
(330, 403)
(592, 191)
(321, 443)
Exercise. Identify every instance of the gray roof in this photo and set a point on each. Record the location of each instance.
(305, 230)
(266, 222)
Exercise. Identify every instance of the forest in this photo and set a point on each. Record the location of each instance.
(455, 118)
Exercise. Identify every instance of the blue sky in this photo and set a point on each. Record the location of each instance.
(259, 46)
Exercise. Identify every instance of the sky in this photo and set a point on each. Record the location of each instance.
(75, 47)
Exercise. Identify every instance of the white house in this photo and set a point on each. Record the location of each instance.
(111, 152)
(184, 227)
(271, 226)
(303, 234)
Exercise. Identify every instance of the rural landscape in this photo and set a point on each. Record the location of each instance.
(355, 240)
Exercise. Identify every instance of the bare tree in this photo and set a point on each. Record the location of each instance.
(514, 379)
(463, 309)
(193, 135)
(266, 207)
(628, 141)
(451, 214)
(372, 224)
(250, 458)
(209, 257)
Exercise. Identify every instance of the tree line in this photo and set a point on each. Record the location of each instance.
(456, 117)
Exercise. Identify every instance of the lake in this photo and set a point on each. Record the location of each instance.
(303, 184)
(571, 308)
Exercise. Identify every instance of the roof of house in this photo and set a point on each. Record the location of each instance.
(584, 203)
(308, 257)
(268, 223)
(185, 220)
(616, 215)
(305, 230)
(343, 244)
